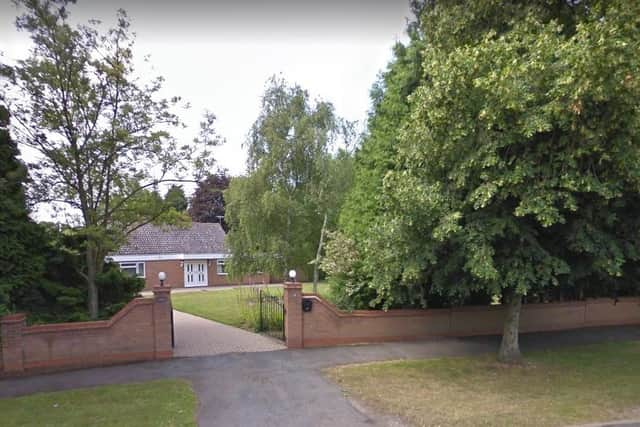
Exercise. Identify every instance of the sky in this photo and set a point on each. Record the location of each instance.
(218, 54)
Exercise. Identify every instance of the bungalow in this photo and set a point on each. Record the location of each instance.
(191, 257)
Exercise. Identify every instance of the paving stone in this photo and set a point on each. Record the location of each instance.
(196, 336)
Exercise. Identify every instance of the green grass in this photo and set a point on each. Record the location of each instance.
(222, 306)
(562, 387)
(323, 290)
(155, 403)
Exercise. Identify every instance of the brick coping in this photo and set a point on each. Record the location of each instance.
(443, 311)
(13, 318)
(96, 324)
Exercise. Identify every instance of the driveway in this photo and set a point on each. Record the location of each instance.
(196, 336)
(287, 388)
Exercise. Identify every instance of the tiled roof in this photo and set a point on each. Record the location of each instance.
(200, 238)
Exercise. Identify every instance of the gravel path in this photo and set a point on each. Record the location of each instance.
(196, 336)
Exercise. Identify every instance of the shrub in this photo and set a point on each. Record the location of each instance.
(59, 294)
(116, 289)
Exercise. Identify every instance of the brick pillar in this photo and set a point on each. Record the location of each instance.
(162, 322)
(11, 328)
(293, 314)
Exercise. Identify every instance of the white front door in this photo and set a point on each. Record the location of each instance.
(195, 274)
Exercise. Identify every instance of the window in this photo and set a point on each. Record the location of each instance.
(135, 269)
(221, 267)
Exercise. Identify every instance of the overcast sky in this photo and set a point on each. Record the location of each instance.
(218, 54)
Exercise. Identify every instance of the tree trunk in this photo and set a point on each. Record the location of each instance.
(315, 278)
(318, 253)
(92, 270)
(509, 347)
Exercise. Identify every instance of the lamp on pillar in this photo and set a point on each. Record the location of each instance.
(293, 318)
(162, 276)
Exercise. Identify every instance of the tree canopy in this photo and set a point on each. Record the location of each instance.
(276, 212)
(21, 260)
(103, 136)
(176, 199)
(207, 203)
(514, 170)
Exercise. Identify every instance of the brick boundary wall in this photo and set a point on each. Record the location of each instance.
(140, 331)
(325, 325)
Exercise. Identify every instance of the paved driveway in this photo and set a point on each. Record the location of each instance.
(287, 388)
(196, 336)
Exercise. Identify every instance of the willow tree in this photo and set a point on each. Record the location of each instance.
(102, 136)
(276, 212)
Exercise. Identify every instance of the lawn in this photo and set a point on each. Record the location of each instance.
(155, 403)
(223, 305)
(561, 387)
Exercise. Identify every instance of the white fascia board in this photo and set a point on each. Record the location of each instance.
(165, 257)
(205, 256)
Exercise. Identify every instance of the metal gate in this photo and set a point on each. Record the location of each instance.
(173, 326)
(270, 313)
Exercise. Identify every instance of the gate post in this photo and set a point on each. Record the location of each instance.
(293, 327)
(162, 326)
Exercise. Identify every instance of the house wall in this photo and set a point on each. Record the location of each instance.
(173, 270)
(140, 331)
(325, 325)
(216, 279)
(175, 275)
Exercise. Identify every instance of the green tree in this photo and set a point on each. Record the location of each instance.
(377, 154)
(365, 203)
(21, 261)
(338, 179)
(176, 199)
(517, 168)
(103, 136)
(276, 212)
(207, 203)
(59, 294)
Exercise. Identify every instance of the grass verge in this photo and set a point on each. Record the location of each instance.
(560, 387)
(154, 403)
